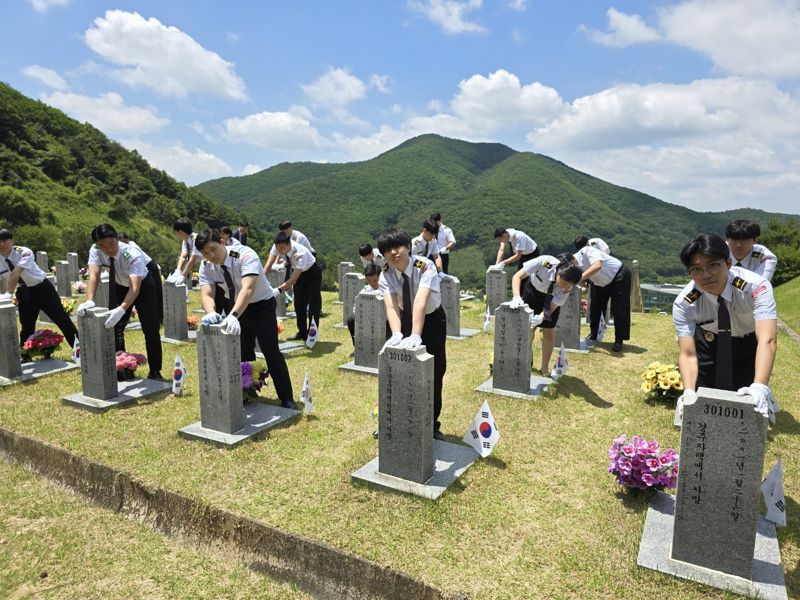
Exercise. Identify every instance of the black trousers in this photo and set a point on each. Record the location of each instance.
(535, 299)
(351, 327)
(434, 336)
(44, 297)
(152, 268)
(259, 322)
(619, 292)
(308, 298)
(445, 261)
(526, 257)
(146, 305)
(744, 359)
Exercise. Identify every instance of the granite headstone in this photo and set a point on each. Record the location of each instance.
(219, 360)
(101, 293)
(176, 327)
(98, 363)
(496, 289)
(10, 359)
(353, 283)
(568, 328)
(276, 277)
(513, 351)
(42, 261)
(74, 269)
(63, 282)
(370, 330)
(344, 269)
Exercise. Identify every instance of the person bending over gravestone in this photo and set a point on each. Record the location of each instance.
(742, 236)
(425, 244)
(445, 239)
(250, 303)
(523, 248)
(370, 255)
(726, 321)
(596, 242)
(410, 286)
(33, 290)
(611, 280)
(189, 256)
(152, 268)
(549, 283)
(372, 274)
(130, 284)
(226, 234)
(306, 278)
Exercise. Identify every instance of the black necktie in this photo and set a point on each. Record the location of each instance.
(738, 264)
(426, 250)
(408, 309)
(724, 368)
(112, 284)
(231, 289)
(548, 301)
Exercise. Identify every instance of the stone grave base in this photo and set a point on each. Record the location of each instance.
(288, 315)
(284, 347)
(463, 334)
(127, 392)
(654, 553)
(199, 311)
(133, 325)
(352, 366)
(538, 387)
(584, 348)
(258, 417)
(450, 461)
(466, 297)
(192, 338)
(340, 326)
(337, 302)
(39, 368)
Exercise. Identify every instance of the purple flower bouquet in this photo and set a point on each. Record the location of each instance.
(640, 464)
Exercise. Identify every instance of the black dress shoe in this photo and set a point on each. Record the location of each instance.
(155, 375)
(290, 404)
(616, 347)
(297, 337)
(438, 435)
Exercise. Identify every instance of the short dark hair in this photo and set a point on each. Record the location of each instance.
(742, 229)
(566, 257)
(244, 224)
(205, 236)
(5, 234)
(431, 226)
(498, 232)
(569, 271)
(123, 237)
(707, 244)
(580, 242)
(282, 238)
(371, 270)
(103, 231)
(437, 216)
(284, 225)
(226, 230)
(365, 250)
(392, 238)
(183, 224)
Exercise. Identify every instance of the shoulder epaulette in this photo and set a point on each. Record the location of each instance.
(547, 265)
(18, 249)
(233, 254)
(419, 264)
(385, 267)
(693, 295)
(126, 254)
(739, 283)
(757, 254)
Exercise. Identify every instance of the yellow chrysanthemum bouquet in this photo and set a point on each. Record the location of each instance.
(660, 379)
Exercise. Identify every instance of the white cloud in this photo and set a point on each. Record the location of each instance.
(623, 31)
(335, 88)
(189, 166)
(251, 168)
(232, 37)
(47, 76)
(382, 83)
(450, 15)
(108, 112)
(366, 147)
(518, 5)
(289, 130)
(42, 6)
(162, 58)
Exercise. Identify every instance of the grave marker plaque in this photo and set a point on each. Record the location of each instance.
(175, 326)
(568, 328)
(276, 277)
(98, 363)
(496, 289)
(353, 284)
(10, 359)
(42, 261)
(513, 353)
(370, 334)
(63, 282)
(74, 269)
(344, 269)
(451, 303)
(219, 369)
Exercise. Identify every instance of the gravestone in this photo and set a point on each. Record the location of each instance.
(176, 329)
(42, 261)
(370, 332)
(63, 283)
(513, 355)
(496, 289)
(344, 269)
(74, 269)
(353, 283)
(712, 531)
(101, 293)
(224, 421)
(637, 305)
(409, 459)
(3, 285)
(450, 288)
(276, 277)
(568, 328)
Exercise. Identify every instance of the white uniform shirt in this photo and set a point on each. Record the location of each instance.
(128, 261)
(760, 261)
(444, 237)
(24, 258)
(542, 272)
(419, 247)
(242, 261)
(188, 247)
(300, 238)
(377, 258)
(748, 297)
(146, 257)
(520, 241)
(421, 273)
(298, 256)
(608, 269)
(600, 245)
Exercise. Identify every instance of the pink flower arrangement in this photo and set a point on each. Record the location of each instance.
(641, 464)
(41, 343)
(129, 362)
(252, 380)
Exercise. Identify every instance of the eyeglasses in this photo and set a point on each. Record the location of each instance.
(710, 268)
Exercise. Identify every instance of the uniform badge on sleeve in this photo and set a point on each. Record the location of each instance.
(757, 254)
(547, 265)
(385, 267)
(693, 295)
(419, 264)
(233, 254)
(739, 283)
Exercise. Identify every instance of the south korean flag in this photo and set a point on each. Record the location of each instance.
(313, 334)
(305, 396)
(178, 376)
(561, 364)
(772, 490)
(601, 329)
(76, 352)
(483, 434)
(487, 321)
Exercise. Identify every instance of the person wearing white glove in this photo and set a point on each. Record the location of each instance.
(522, 247)
(412, 296)
(762, 398)
(6, 297)
(425, 244)
(516, 302)
(84, 306)
(114, 317)
(189, 256)
(175, 277)
(687, 397)
(250, 301)
(212, 318)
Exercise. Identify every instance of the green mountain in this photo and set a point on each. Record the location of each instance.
(59, 178)
(476, 187)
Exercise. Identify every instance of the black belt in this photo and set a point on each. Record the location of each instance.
(710, 336)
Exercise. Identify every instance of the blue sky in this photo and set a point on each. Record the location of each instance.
(695, 101)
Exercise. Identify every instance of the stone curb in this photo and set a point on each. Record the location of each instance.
(316, 568)
(789, 331)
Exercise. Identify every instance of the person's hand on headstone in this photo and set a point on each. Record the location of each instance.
(517, 302)
(412, 342)
(231, 325)
(114, 316)
(211, 318)
(760, 394)
(276, 292)
(689, 396)
(6, 297)
(393, 341)
(84, 306)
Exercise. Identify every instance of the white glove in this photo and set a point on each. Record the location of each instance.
(276, 292)
(516, 302)
(761, 396)
(84, 306)
(5, 297)
(536, 320)
(211, 318)
(231, 325)
(687, 396)
(412, 342)
(175, 277)
(114, 316)
(393, 341)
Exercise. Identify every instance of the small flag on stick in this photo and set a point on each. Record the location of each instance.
(76, 352)
(178, 376)
(487, 321)
(772, 490)
(305, 395)
(483, 434)
(601, 329)
(561, 364)
(313, 333)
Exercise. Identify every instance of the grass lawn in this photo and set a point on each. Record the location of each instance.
(540, 518)
(787, 297)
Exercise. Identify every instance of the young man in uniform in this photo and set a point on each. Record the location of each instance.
(296, 235)
(726, 321)
(742, 236)
(240, 235)
(226, 234)
(33, 290)
(523, 248)
(445, 239)
(250, 304)
(595, 242)
(130, 284)
(549, 283)
(152, 268)
(425, 244)
(370, 255)
(372, 274)
(306, 278)
(410, 286)
(189, 255)
(611, 280)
